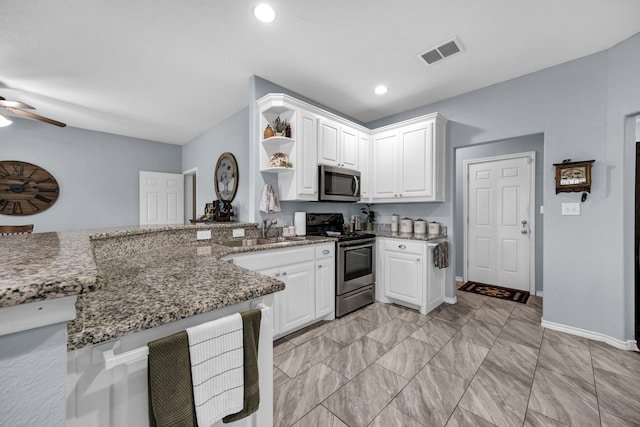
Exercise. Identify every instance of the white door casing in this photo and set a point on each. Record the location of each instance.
(499, 203)
(161, 198)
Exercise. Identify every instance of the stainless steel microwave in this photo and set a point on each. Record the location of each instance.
(338, 184)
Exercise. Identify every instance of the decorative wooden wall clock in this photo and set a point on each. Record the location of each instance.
(26, 189)
(573, 176)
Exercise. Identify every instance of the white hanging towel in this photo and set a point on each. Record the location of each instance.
(269, 202)
(217, 368)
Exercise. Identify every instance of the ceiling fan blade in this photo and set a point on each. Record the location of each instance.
(36, 117)
(14, 104)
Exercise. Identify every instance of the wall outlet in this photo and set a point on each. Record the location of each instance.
(203, 250)
(203, 234)
(571, 209)
(238, 232)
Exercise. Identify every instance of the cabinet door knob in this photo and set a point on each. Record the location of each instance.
(402, 246)
(277, 274)
(326, 252)
(319, 266)
(417, 259)
(284, 274)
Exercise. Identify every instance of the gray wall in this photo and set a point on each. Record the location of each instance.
(33, 369)
(97, 173)
(584, 108)
(521, 144)
(231, 135)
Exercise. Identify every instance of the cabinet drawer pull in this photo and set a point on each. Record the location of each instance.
(402, 246)
(326, 252)
(319, 266)
(277, 274)
(418, 259)
(284, 274)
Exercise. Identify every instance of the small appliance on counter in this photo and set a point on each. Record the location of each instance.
(406, 225)
(420, 226)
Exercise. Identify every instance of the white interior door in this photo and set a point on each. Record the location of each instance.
(499, 204)
(161, 198)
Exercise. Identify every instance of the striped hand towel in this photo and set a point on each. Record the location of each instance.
(217, 368)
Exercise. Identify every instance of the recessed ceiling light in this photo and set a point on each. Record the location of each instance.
(381, 90)
(264, 13)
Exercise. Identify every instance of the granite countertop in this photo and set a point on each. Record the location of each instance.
(127, 290)
(409, 236)
(41, 266)
(159, 286)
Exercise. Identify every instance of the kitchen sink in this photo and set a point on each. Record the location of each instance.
(259, 242)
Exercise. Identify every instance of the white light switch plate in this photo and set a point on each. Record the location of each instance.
(238, 232)
(203, 234)
(571, 209)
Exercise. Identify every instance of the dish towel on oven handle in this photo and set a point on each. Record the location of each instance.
(217, 368)
(441, 254)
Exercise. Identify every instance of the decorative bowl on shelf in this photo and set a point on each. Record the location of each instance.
(280, 160)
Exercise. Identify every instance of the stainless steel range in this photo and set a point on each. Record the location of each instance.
(355, 261)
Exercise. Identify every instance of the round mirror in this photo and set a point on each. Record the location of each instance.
(226, 177)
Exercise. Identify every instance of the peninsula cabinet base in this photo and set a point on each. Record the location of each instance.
(112, 390)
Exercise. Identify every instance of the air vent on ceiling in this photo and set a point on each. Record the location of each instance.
(445, 50)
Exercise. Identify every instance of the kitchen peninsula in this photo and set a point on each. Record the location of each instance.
(118, 289)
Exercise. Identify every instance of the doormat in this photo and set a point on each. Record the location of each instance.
(496, 291)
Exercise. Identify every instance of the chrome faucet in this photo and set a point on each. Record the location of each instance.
(266, 227)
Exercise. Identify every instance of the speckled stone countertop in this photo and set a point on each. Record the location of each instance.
(42, 266)
(409, 236)
(158, 286)
(132, 279)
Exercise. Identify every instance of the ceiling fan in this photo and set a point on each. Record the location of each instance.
(17, 108)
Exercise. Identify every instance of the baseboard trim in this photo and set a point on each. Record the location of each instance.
(629, 345)
(459, 279)
(450, 300)
(539, 294)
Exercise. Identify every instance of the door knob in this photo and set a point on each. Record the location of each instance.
(524, 222)
(524, 231)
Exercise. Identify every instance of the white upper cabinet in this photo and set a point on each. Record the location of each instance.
(364, 157)
(402, 162)
(408, 161)
(337, 144)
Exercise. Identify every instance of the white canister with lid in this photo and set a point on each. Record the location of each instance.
(420, 226)
(406, 225)
(434, 228)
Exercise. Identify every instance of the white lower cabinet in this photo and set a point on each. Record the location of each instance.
(407, 275)
(107, 382)
(309, 276)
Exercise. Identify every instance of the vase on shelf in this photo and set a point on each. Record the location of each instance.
(268, 132)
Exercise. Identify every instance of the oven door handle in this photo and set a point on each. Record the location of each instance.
(366, 245)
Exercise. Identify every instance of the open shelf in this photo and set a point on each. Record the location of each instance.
(278, 170)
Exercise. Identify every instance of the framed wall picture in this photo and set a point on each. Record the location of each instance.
(226, 177)
(573, 176)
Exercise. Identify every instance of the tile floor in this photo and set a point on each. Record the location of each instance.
(480, 362)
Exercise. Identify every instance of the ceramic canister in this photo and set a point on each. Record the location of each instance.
(434, 228)
(406, 225)
(420, 226)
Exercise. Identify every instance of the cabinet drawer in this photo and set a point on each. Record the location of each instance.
(404, 246)
(326, 251)
(274, 258)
